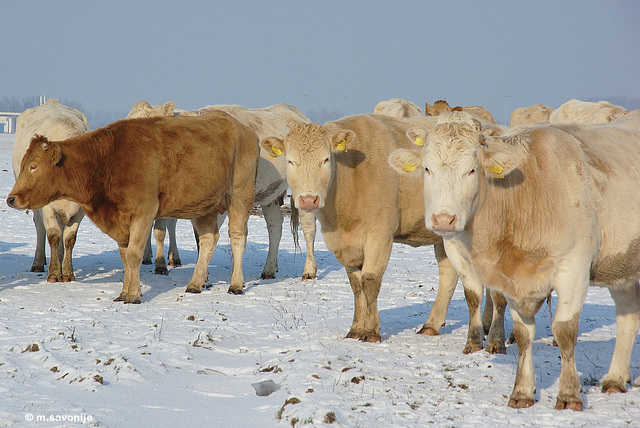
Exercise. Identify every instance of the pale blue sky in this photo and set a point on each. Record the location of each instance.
(336, 55)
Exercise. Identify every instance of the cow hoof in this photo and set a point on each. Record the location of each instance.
(127, 299)
(37, 268)
(235, 291)
(521, 404)
(571, 405)
(428, 331)
(470, 349)
(268, 276)
(193, 289)
(146, 262)
(371, 338)
(496, 348)
(54, 278)
(161, 271)
(175, 263)
(308, 276)
(353, 335)
(610, 387)
(68, 278)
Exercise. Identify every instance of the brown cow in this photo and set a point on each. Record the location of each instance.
(134, 171)
(339, 171)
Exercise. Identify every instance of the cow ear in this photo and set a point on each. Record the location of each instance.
(498, 160)
(406, 161)
(57, 155)
(342, 139)
(273, 145)
(168, 108)
(417, 134)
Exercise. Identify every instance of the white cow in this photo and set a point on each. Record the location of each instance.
(59, 220)
(271, 181)
(549, 207)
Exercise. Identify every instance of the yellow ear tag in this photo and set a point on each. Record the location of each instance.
(419, 141)
(342, 146)
(277, 152)
(409, 167)
(496, 169)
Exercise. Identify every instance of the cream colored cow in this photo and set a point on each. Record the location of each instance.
(541, 208)
(529, 115)
(441, 107)
(59, 220)
(338, 171)
(398, 107)
(576, 111)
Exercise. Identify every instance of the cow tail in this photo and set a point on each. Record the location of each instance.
(295, 222)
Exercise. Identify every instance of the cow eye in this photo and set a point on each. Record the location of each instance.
(33, 167)
(473, 171)
(426, 171)
(290, 162)
(324, 162)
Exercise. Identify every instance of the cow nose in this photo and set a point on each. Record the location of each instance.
(11, 201)
(444, 222)
(309, 203)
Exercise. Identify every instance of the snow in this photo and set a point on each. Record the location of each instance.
(69, 353)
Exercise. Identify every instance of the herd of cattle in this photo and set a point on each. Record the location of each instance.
(548, 203)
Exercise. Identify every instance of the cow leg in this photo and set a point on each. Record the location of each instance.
(69, 235)
(308, 224)
(146, 254)
(627, 301)
(376, 257)
(239, 212)
(53, 226)
(359, 302)
(448, 279)
(473, 291)
(131, 255)
(524, 330)
(571, 284)
(173, 256)
(487, 313)
(159, 233)
(495, 341)
(273, 217)
(207, 234)
(40, 258)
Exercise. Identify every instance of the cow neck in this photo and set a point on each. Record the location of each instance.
(82, 168)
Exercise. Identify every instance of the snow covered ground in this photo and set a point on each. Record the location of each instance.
(68, 352)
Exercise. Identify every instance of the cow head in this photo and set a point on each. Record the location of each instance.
(456, 160)
(38, 169)
(310, 152)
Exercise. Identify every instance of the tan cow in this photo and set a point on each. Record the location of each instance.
(271, 181)
(134, 171)
(57, 221)
(338, 170)
(441, 107)
(529, 115)
(540, 208)
(398, 107)
(576, 111)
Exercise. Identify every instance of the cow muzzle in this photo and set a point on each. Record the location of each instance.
(11, 201)
(444, 223)
(309, 203)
